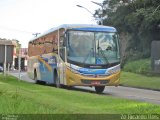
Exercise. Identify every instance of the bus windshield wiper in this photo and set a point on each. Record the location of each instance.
(91, 50)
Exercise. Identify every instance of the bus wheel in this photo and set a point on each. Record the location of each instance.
(56, 79)
(99, 89)
(35, 77)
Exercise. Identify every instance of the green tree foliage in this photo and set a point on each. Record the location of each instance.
(139, 18)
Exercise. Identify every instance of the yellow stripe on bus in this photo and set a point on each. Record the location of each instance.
(45, 63)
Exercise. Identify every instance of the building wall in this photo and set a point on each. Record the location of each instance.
(12, 52)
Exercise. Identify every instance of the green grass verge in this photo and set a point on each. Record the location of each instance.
(19, 97)
(142, 66)
(140, 81)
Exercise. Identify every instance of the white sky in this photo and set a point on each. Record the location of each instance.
(20, 18)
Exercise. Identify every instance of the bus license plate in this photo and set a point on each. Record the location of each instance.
(95, 83)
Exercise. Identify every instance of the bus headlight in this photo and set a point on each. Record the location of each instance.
(114, 70)
(74, 68)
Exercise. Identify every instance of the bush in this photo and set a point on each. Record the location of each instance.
(141, 66)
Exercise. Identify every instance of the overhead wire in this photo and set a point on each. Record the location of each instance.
(17, 30)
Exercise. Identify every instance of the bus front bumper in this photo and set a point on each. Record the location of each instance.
(75, 79)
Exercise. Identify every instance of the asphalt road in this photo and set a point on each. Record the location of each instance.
(143, 95)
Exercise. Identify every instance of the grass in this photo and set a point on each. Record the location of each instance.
(19, 97)
(138, 74)
(141, 66)
(140, 81)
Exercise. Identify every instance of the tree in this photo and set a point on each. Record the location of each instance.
(138, 19)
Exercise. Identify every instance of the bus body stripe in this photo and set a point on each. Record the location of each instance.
(45, 63)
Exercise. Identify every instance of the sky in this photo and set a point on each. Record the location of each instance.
(20, 18)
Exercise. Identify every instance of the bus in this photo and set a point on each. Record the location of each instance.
(76, 55)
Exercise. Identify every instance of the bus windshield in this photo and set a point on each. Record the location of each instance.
(93, 47)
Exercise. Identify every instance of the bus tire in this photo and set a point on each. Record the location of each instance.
(38, 81)
(35, 77)
(56, 80)
(99, 89)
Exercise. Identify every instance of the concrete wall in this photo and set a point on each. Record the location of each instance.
(155, 56)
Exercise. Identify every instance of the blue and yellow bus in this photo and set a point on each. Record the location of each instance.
(76, 55)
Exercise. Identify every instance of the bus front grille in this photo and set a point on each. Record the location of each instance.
(96, 82)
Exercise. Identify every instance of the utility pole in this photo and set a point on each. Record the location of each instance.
(19, 62)
(87, 11)
(36, 34)
(100, 11)
(5, 59)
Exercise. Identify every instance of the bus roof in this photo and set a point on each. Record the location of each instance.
(81, 27)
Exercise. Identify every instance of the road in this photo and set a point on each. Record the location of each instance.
(143, 95)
